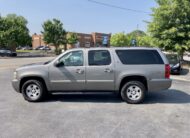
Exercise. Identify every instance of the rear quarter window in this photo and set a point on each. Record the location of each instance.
(139, 57)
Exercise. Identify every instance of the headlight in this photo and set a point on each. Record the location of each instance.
(177, 65)
(15, 75)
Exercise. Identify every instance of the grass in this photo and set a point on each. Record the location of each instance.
(35, 52)
(24, 51)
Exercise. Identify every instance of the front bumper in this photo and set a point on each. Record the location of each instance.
(159, 84)
(16, 84)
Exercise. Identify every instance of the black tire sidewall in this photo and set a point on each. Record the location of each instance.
(39, 84)
(124, 94)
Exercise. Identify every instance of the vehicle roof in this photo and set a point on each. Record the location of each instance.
(141, 48)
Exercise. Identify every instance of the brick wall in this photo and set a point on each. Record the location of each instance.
(85, 40)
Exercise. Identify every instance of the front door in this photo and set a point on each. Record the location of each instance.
(71, 75)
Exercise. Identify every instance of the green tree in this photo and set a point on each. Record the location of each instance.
(72, 38)
(119, 39)
(54, 33)
(14, 31)
(145, 41)
(170, 27)
(137, 35)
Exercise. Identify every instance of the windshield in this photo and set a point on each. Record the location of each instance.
(172, 58)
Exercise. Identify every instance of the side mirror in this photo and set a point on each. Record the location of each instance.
(59, 63)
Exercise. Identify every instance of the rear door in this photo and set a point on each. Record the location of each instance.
(99, 71)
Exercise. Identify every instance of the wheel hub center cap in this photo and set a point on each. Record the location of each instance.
(133, 92)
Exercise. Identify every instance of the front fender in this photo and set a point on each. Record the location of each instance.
(35, 72)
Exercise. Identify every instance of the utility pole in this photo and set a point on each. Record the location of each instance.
(137, 34)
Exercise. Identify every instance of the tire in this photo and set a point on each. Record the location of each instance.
(133, 92)
(33, 91)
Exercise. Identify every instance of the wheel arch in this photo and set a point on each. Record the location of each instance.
(140, 78)
(39, 78)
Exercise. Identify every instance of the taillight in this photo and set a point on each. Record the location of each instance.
(167, 71)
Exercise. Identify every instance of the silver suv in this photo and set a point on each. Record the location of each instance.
(131, 72)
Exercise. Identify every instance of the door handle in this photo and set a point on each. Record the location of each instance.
(107, 70)
(79, 71)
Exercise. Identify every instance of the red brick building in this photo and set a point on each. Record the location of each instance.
(84, 40)
(37, 40)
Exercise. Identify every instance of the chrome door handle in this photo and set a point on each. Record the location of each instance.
(79, 71)
(108, 70)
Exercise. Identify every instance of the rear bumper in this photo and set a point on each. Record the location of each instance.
(159, 84)
(16, 84)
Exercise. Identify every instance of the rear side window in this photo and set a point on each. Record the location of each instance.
(139, 57)
(99, 57)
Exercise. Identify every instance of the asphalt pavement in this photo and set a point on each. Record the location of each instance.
(163, 114)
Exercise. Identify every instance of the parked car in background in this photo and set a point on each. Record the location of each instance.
(27, 48)
(175, 63)
(43, 48)
(7, 53)
(24, 48)
(19, 48)
(39, 47)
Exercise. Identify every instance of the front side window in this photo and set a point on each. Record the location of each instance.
(74, 58)
(99, 57)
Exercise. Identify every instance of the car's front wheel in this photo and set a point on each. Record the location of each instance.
(133, 92)
(33, 91)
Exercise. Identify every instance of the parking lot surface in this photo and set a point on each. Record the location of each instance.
(163, 114)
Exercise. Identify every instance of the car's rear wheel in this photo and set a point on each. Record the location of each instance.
(33, 91)
(133, 92)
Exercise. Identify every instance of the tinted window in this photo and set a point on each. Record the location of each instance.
(139, 57)
(74, 58)
(99, 57)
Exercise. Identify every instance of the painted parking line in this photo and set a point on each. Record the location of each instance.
(180, 79)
